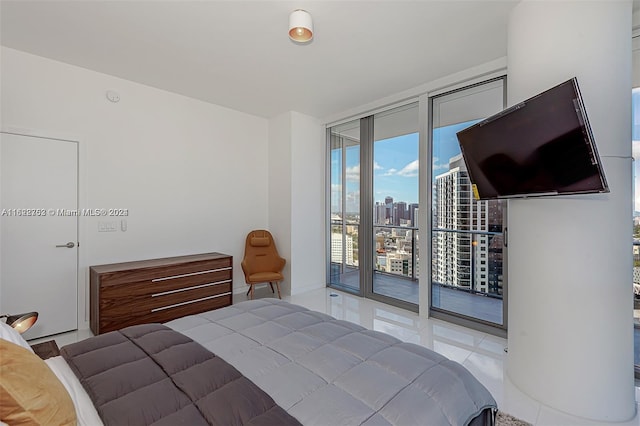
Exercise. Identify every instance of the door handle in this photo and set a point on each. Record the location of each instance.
(70, 244)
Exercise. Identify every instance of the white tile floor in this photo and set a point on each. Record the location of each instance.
(480, 353)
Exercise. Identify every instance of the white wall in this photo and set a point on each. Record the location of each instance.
(570, 259)
(308, 204)
(296, 198)
(193, 175)
(280, 190)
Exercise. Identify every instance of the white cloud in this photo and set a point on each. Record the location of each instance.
(410, 170)
(439, 166)
(377, 166)
(353, 173)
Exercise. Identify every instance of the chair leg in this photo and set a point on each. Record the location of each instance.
(278, 287)
(271, 284)
(251, 290)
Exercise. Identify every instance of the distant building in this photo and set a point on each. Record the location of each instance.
(413, 214)
(400, 213)
(336, 248)
(380, 214)
(462, 259)
(388, 201)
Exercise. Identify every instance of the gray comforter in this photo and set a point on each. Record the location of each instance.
(151, 375)
(325, 371)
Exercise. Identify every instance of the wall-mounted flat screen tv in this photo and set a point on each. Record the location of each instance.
(542, 146)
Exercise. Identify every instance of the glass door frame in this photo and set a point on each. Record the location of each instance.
(367, 202)
(366, 241)
(343, 207)
(436, 312)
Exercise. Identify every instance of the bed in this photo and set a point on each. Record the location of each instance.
(265, 362)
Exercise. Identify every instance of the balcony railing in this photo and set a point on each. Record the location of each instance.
(472, 264)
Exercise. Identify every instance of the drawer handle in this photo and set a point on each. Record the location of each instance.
(189, 302)
(172, 277)
(179, 290)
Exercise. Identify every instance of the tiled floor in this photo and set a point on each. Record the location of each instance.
(480, 353)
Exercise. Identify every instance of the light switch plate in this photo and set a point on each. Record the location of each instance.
(107, 226)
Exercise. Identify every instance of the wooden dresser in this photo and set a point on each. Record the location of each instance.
(158, 290)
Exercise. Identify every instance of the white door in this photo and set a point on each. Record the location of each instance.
(38, 214)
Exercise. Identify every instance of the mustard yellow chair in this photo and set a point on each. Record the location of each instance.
(261, 262)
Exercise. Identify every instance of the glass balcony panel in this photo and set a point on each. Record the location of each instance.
(468, 281)
(396, 262)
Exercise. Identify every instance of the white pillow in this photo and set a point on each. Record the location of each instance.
(12, 335)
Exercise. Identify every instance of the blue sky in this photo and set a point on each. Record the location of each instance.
(395, 166)
(395, 169)
(395, 172)
(445, 145)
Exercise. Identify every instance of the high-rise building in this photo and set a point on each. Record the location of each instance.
(388, 201)
(413, 214)
(401, 213)
(336, 248)
(464, 259)
(379, 214)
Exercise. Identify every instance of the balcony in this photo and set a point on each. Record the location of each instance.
(475, 304)
(466, 268)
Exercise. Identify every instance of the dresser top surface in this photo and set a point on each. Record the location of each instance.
(154, 263)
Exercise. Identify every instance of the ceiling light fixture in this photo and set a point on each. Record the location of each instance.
(300, 26)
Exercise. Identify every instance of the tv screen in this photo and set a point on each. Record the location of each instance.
(542, 146)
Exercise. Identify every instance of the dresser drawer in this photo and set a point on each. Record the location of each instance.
(111, 323)
(114, 304)
(160, 272)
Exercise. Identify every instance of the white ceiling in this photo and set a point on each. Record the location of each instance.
(237, 53)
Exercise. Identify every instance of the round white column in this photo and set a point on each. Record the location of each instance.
(570, 260)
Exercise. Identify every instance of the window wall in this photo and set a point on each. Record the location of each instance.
(374, 209)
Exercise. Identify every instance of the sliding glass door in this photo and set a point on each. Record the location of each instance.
(468, 250)
(374, 206)
(395, 209)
